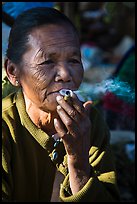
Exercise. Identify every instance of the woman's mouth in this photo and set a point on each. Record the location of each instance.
(60, 91)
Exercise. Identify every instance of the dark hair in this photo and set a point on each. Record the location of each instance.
(24, 24)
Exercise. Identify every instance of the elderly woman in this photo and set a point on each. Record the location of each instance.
(44, 132)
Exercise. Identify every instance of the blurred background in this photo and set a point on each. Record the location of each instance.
(107, 36)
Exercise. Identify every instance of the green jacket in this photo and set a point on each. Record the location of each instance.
(28, 172)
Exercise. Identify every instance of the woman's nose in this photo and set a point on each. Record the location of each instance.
(63, 73)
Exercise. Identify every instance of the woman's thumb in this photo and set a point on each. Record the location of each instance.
(87, 105)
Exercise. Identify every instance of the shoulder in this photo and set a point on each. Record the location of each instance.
(96, 116)
(100, 131)
(9, 105)
(9, 109)
(8, 102)
(9, 117)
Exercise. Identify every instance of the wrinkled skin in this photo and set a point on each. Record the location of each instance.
(53, 62)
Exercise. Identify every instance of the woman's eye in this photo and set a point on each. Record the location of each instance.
(47, 62)
(74, 61)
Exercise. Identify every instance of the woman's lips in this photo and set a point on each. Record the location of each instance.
(61, 92)
(54, 92)
(58, 91)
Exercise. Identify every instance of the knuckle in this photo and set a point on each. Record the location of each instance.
(81, 109)
(72, 113)
(69, 123)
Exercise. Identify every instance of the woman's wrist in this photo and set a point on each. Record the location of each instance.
(79, 174)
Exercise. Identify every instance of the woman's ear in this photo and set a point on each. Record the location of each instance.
(12, 72)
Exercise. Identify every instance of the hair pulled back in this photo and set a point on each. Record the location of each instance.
(28, 20)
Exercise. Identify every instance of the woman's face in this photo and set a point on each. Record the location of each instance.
(52, 63)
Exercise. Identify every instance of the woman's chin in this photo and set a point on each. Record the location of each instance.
(51, 103)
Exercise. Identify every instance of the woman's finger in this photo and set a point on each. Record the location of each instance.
(67, 121)
(77, 104)
(59, 127)
(88, 105)
(70, 110)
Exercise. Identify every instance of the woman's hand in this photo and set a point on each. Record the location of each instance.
(74, 126)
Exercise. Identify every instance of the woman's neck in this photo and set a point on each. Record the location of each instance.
(42, 119)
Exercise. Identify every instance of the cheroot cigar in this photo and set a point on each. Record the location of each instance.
(67, 93)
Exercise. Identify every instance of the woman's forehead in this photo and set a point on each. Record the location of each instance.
(52, 41)
(55, 41)
(53, 35)
(57, 52)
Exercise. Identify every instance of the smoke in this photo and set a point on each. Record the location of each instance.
(121, 89)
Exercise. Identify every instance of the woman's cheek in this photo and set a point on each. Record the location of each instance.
(50, 103)
(80, 74)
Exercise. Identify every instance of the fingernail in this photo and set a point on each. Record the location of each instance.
(55, 120)
(58, 107)
(58, 98)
